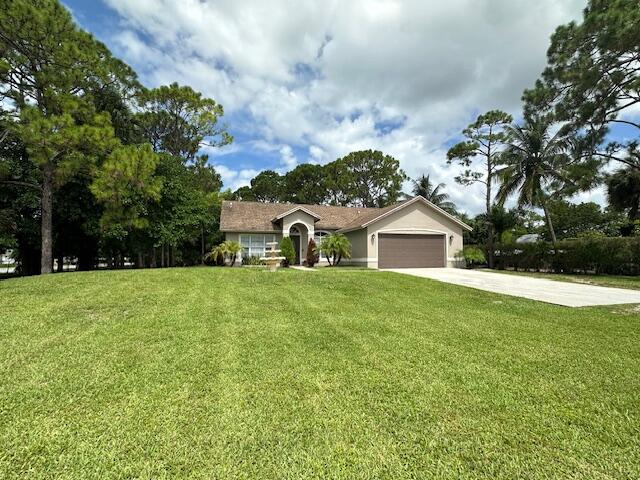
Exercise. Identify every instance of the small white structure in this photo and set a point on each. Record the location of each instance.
(271, 257)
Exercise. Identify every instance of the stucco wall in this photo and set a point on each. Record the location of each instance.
(358, 239)
(235, 236)
(301, 218)
(415, 218)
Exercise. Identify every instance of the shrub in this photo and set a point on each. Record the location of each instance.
(219, 253)
(335, 247)
(288, 251)
(472, 256)
(588, 254)
(313, 256)
(253, 260)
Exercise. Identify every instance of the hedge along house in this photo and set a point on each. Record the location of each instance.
(410, 234)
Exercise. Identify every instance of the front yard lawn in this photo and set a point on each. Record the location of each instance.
(241, 373)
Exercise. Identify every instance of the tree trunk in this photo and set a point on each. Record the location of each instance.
(491, 230)
(60, 262)
(46, 255)
(202, 245)
(162, 256)
(550, 225)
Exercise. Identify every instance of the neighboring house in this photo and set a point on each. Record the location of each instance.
(414, 233)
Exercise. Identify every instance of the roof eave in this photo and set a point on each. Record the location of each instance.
(410, 202)
(295, 209)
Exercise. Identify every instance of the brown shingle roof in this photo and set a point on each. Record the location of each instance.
(239, 216)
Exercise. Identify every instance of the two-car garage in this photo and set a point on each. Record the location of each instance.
(411, 250)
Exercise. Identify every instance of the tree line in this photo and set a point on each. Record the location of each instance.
(367, 178)
(97, 167)
(563, 145)
(92, 164)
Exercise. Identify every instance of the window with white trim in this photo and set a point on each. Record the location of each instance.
(255, 244)
(317, 237)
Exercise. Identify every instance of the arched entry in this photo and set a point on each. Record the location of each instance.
(299, 234)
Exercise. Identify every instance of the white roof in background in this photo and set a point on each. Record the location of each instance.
(528, 238)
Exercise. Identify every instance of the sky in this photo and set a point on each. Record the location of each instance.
(310, 81)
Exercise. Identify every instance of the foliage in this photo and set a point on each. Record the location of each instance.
(126, 184)
(232, 249)
(217, 254)
(588, 254)
(304, 184)
(535, 161)
(367, 178)
(267, 186)
(252, 261)
(472, 256)
(49, 68)
(423, 187)
(287, 250)
(335, 246)
(623, 191)
(572, 220)
(178, 120)
(479, 155)
(228, 249)
(313, 254)
(373, 178)
(592, 80)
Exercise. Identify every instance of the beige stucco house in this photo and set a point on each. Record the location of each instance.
(414, 233)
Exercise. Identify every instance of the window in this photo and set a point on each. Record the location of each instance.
(317, 237)
(255, 245)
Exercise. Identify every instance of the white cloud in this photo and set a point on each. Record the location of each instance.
(287, 158)
(324, 76)
(235, 179)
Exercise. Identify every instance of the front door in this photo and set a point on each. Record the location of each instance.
(296, 247)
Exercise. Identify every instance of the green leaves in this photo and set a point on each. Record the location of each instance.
(485, 139)
(335, 246)
(592, 78)
(287, 250)
(125, 185)
(366, 178)
(371, 178)
(178, 120)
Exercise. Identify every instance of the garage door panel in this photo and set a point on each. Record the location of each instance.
(410, 251)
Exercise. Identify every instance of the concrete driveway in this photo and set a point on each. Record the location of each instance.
(543, 290)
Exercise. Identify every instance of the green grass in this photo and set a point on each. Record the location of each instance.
(220, 373)
(618, 281)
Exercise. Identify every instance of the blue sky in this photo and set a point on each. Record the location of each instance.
(311, 81)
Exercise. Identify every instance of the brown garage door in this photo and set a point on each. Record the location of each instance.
(410, 251)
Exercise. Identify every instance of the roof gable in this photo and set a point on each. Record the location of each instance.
(296, 209)
(383, 212)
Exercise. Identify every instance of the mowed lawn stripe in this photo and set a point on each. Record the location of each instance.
(241, 373)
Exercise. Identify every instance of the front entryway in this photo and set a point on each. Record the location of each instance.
(411, 250)
(296, 247)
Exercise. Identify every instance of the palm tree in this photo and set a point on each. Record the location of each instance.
(226, 248)
(335, 247)
(217, 253)
(423, 187)
(232, 249)
(535, 161)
